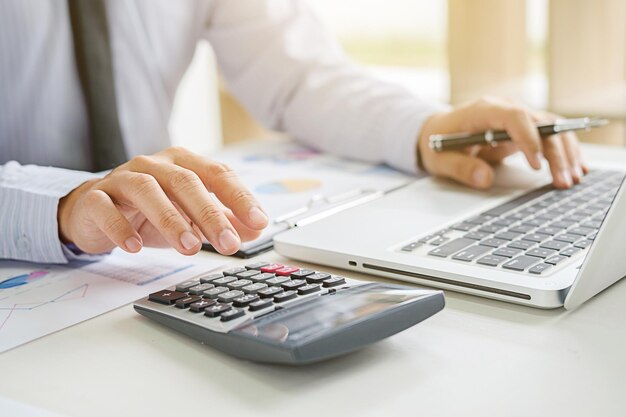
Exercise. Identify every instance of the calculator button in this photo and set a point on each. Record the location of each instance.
(271, 268)
(254, 288)
(229, 296)
(317, 277)
(261, 304)
(277, 280)
(210, 278)
(293, 284)
(270, 292)
(225, 280)
(216, 309)
(234, 271)
(232, 314)
(248, 274)
(308, 289)
(214, 292)
(187, 301)
(333, 282)
(199, 289)
(257, 265)
(166, 296)
(239, 284)
(262, 277)
(302, 273)
(184, 286)
(201, 305)
(244, 300)
(285, 296)
(286, 271)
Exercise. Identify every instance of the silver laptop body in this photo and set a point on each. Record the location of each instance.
(419, 234)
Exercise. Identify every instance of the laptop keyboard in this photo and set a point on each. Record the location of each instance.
(534, 233)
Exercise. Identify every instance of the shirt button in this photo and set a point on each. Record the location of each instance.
(23, 245)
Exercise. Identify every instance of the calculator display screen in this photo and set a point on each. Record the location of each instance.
(329, 312)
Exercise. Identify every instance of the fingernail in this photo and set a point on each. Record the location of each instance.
(566, 178)
(479, 177)
(228, 240)
(133, 244)
(189, 240)
(258, 217)
(578, 172)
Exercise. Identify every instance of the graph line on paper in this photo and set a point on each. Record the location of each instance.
(77, 293)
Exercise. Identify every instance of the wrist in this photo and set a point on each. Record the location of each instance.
(64, 211)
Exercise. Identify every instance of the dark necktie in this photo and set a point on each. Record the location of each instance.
(93, 59)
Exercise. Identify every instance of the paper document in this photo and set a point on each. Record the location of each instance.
(292, 181)
(36, 299)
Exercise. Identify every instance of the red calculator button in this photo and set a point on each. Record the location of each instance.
(286, 271)
(271, 268)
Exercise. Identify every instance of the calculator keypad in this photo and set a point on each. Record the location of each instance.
(224, 299)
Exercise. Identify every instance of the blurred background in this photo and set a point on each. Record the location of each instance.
(565, 56)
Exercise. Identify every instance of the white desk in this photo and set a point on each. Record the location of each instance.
(477, 357)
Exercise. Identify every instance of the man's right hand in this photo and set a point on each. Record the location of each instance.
(162, 200)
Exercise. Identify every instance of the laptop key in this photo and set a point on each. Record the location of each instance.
(520, 263)
(583, 244)
(451, 248)
(491, 260)
(566, 237)
(490, 228)
(493, 242)
(540, 252)
(549, 230)
(562, 224)
(463, 227)
(582, 231)
(521, 228)
(508, 235)
(476, 235)
(535, 237)
(439, 241)
(471, 253)
(554, 260)
(506, 221)
(478, 219)
(569, 251)
(521, 244)
(507, 252)
(554, 245)
(408, 248)
(539, 269)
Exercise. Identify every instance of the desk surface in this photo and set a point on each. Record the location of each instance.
(477, 357)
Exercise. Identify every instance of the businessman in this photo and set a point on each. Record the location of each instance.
(86, 86)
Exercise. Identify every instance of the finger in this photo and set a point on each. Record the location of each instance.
(573, 153)
(111, 222)
(143, 192)
(244, 231)
(221, 180)
(188, 191)
(520, 126)
(463, 168)
(559, 166)
(498, 153)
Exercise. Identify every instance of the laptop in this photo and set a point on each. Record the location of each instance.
(522, 242)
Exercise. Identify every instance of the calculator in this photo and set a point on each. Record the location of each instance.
(276, 313)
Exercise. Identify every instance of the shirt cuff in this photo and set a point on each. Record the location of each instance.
(404, 129)
(29, 201)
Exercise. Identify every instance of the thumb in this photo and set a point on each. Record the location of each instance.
(463, 168)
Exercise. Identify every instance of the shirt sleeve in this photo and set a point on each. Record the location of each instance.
(291, 74)
(29, 200)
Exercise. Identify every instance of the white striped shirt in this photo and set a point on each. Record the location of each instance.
(274, 54)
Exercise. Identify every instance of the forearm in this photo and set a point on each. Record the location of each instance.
(29, 199)
(293, 76)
